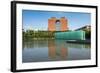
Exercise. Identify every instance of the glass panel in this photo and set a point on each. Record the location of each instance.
(72, 35)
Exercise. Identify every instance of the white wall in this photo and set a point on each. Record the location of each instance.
(5, 36)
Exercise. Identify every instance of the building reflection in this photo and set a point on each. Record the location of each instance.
(64, 53)
(56, 52)
(58, 49)
(52, 49)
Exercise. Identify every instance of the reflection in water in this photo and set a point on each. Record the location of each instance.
(34, 44)
(54, 50)
(64, 53)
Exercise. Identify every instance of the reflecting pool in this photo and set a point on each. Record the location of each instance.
(54, 50)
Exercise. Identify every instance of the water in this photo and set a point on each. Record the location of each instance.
(54, 50)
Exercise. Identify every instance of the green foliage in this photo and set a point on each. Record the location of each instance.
(31, 34)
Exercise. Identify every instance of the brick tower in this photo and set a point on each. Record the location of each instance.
(55, 24)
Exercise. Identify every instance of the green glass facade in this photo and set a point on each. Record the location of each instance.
(71, 35)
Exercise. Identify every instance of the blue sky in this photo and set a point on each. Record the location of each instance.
(38, 20)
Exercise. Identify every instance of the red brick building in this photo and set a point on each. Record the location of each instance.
(55, 24)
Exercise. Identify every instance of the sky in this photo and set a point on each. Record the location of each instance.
(38, 20)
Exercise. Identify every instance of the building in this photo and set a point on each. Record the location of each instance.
(55, 24)
(86, 27)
